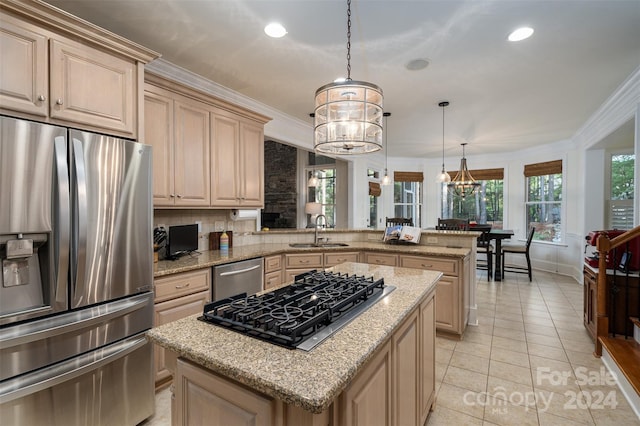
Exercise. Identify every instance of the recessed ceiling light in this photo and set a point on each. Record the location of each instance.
(417, 64)
(520, 34)
(275, 30)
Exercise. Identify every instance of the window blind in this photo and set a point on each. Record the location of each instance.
(374, 189)
(482, 174)
(408, 177)
(543, 169)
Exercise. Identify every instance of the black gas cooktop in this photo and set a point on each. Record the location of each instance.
(300, 315)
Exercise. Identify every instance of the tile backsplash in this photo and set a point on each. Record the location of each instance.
(211, 220)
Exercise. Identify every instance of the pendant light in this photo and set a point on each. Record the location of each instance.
(386, 180)
(443, 176)
(313, 180)
(463, 184)
(348, 114)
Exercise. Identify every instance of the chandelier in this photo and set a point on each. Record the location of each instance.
(463, 184)
(348, 114)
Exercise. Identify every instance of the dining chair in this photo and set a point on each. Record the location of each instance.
(485, 248)
(394, 221)
(518, 249)
(453, 224)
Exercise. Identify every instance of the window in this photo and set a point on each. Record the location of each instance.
(621, 192)
(486, 205)
(325, 193)
(407, 195)
(543, 202)
(374, 192)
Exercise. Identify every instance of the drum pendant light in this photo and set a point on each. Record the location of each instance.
(443, 176)
(348, 114)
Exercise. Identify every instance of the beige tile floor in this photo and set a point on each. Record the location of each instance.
(528, 362)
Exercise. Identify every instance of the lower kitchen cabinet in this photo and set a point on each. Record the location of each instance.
(332, 259)
(381, 259)
(178, 296)
(272, 271)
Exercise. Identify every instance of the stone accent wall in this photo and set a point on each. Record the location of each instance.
(280, 176)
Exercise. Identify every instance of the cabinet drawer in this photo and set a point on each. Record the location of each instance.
(381, 259)
(272, 263)
(331, 259)
(272, 279)
(177, 285)
(446, 266)
(307, 260)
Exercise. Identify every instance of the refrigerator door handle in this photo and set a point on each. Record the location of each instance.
(80, 223)
(61, 258)
(29, 333)
(67, 370)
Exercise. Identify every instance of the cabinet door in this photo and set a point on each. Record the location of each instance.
(272, 279)
(225, 173)
(177, 285)
(447, 304)
(381, 259)
(91, 87)
(23, 68)
(446, 266)
(191, 154)
(406, 364)
(367, 400)
(203, 398)
(173, 310)
(427, 359)
(332, 259)
(158, 132)
(252, 165)
(306, 260)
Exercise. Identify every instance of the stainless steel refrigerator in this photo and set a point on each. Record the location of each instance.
(76, 286)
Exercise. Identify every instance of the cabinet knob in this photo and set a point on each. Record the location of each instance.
(179, 196)
(42, 98)
(59, 102)
(172, 195)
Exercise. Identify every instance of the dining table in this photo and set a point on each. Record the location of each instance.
(498, 235)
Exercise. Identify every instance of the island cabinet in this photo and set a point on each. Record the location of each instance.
(59, 69)
(395, 387)
(297, 263)
(178, 296)
(452, 293)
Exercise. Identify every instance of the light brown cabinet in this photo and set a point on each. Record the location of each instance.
(237, 159)
(178, 296)
(212, 154)
(64, 78)
(452, 298)
(395, 387)
(178, 129)
(272, 271)
(381, 259)
(332, 259)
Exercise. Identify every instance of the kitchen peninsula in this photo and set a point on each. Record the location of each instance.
(380, 365)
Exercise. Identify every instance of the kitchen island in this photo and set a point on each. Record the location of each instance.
(379, 366)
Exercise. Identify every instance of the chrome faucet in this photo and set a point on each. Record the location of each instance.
(316, 240)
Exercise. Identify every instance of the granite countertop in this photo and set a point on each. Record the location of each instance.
(216, 257)
(311, 380)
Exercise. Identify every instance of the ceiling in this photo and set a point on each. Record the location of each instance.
(503, 96)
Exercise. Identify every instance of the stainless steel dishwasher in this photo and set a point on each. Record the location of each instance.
(230, 279)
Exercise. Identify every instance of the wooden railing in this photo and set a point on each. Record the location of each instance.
(604, 245)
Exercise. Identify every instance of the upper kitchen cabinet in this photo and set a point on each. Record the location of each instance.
(237, 160)
(178, 129)
(57, 68)
(207, 153)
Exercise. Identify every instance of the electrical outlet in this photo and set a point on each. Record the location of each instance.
(219, 225)
(432, 240)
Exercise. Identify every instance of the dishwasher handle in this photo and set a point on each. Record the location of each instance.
(240, 271)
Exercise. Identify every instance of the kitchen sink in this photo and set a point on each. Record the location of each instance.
(312, 245)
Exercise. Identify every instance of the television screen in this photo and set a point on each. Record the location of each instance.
(182, 239)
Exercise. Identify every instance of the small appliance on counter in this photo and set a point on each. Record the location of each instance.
(183, 239)
(627, 256)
